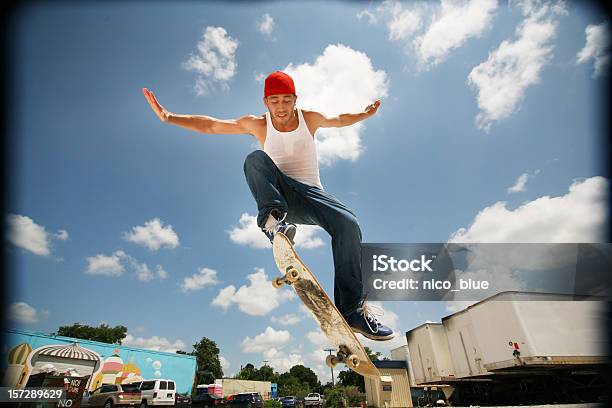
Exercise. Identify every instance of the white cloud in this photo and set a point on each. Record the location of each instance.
(402, 23)
(317, 355)
(282, 361)
(248, 233)
(270, 338)
(367, 14)
(106, 265)
(143, 272)
(204, 277)
(153, 235)
(452, 25)
(24, 233)
(597, 48)
(519, 185)
(502, 80)
(61, 235)
(430, 32)
(578, 216)
(115, 265)
(287, 320)
(215, 60)
(21, 312)
(257, 299)
(500, 272)
(329, 86)
(225, 298)
(161, 272)
(317, 338)
(154, 343)
(266, 25)
(225, 364)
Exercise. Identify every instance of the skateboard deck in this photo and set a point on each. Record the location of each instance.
(339, 334)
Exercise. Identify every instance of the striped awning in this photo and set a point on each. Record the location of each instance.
(73, 351)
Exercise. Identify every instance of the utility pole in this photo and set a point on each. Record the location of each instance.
(332, 369)
(265, 363)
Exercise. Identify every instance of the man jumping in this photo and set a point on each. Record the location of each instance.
(284, 180)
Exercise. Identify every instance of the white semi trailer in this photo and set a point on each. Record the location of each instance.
(516, 347)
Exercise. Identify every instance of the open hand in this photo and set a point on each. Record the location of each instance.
(159, 110)
(372, 108)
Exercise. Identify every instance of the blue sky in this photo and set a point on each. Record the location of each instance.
(492, 134)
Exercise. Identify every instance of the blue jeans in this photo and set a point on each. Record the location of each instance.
(310, 205)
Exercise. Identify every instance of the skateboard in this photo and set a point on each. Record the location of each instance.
(297, 275)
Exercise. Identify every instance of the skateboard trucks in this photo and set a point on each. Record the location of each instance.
(344, 356)
(291, 276)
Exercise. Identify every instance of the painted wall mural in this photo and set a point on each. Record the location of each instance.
(25, 353)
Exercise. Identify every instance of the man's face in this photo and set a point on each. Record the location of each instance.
(281, 106)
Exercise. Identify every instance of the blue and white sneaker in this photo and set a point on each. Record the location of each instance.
(364, 320)
(276, 224)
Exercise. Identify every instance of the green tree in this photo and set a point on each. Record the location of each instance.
(305, 375)
(266, 373)
(350, 378)
(335, 397)
(289, 385)
(103, 333)
(272, 404)
(246, 373)
(207, 356)
(374, 355)
(353, 395)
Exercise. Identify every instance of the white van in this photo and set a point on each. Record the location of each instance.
(157, 392)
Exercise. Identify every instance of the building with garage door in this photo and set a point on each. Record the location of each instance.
(394, 394)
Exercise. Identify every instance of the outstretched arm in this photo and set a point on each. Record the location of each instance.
(200, 123)
(344, 119)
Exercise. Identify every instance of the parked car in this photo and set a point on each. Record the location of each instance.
(313, 400)
(290, 402)
(203, 399)
(182, 399)
(246, 400)
(157, 392)
(112, 395)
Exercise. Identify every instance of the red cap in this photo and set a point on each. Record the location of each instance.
(278, 83)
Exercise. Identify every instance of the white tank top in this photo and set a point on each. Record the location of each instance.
(294, 153)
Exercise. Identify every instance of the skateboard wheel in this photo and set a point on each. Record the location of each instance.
(292, 275)
(331, 361)
(277, 282)
(352, 361)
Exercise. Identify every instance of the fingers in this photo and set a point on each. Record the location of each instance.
(151, 99)
(157, 108)
(146, 94)
(154, 99)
